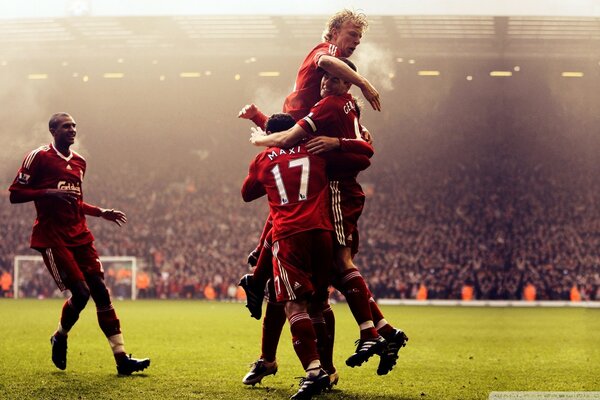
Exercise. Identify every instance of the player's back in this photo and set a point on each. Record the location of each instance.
(307, 87)
(297, 189)
(333, 116)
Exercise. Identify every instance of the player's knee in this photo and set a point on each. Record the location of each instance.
(296, 306)
(80, 294)
(98, 291)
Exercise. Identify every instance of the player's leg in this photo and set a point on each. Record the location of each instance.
(304, 340)
(254, 284)
(108, 321)
(346, 210)
(295, 283)
(272, 326)
(274, 318)
(325, 333)
(320, 311)
(354, 288)
(62, 265)
(395, 338)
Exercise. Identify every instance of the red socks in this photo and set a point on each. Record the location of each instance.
(272, 326)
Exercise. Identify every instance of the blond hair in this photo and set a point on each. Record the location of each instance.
(339, 18)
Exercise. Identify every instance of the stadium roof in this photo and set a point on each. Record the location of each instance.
(12, 9)
(507, 28)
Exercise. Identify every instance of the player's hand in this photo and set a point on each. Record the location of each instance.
(116, 216)
(68, 195)
(253, 257)
(256, 135)
(367, 135)
(249, 111)
(322, 144)
(371, 94)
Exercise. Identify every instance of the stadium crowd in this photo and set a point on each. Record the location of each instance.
(472, 200)
(436, 229)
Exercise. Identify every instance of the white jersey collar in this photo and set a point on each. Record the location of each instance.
(67, 159)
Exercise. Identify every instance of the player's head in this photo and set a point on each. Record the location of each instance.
(63, 128)
(345, 29)
(279, 122)
(334, 86)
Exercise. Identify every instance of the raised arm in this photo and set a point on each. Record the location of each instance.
(338, 68)
(283, 139)
(253, 113)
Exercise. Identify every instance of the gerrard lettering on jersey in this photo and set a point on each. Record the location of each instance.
(349, 106)
(292, 150)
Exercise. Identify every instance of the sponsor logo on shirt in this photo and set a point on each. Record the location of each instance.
(63, 185)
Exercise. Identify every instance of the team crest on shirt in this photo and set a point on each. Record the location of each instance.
(23, 178)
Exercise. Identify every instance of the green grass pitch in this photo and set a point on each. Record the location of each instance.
(201, 350)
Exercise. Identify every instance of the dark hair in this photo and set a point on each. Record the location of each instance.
(53, 123)
(279, 122)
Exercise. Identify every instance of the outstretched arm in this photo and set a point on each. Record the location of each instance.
(283, 139)
(338, 68)
(253, 113)
(116, 216)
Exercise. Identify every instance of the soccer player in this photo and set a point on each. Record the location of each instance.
(296, 186)
(341, 37)
(335, 116)
(51, 176)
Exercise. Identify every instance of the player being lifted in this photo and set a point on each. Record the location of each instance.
(341, 37)
(296, 186)
(51, 176)
(335, 121)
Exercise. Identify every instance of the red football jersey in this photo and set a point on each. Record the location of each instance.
(296, 186)
(336, 116)
(307, 88)
(58, 223)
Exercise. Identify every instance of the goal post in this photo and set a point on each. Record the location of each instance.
(117, 279)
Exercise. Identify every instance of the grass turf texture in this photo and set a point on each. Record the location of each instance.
(202, 350)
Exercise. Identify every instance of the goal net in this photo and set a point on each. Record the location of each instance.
(32, 279)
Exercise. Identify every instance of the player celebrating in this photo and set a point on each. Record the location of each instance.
(341, 37)
(296, 185)
(336, 116)
(51, 176)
